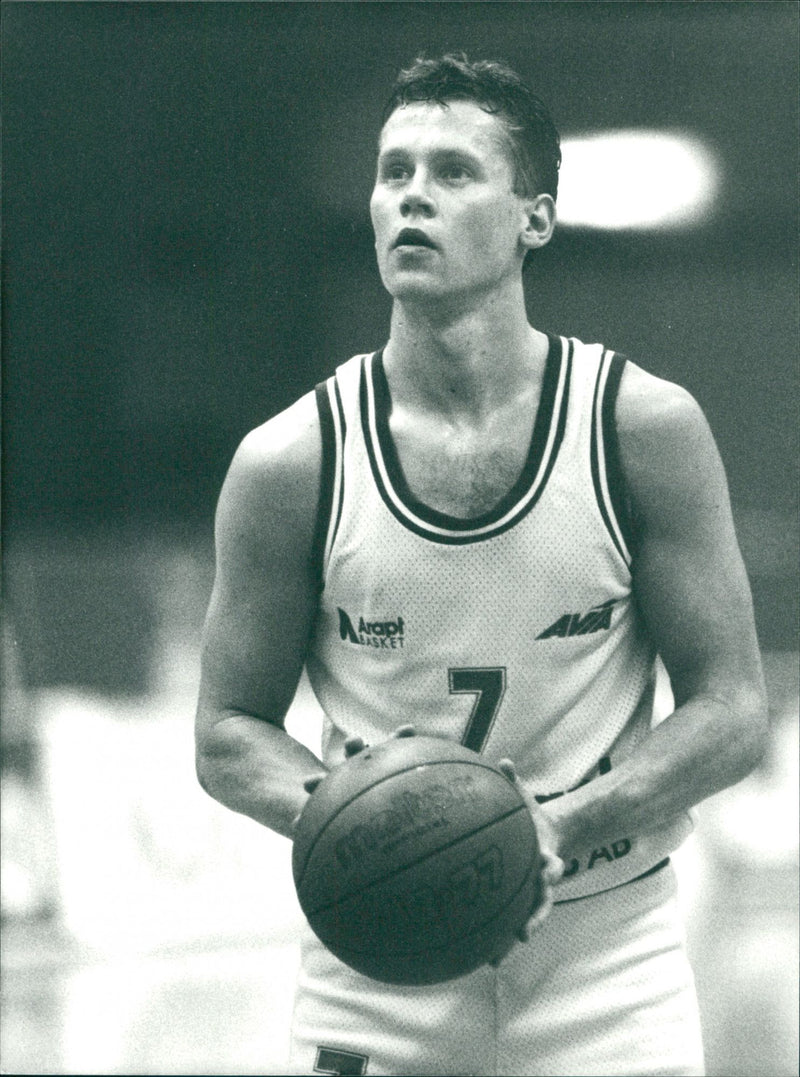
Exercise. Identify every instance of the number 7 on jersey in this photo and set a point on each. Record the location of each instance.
(488, 685)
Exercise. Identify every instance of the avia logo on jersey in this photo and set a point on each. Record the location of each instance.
(581, 624)
(388, 635)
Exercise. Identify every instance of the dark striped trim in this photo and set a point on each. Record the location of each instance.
(615, 476)
(327, 472)
(637, 878)
(607, 477)
(544, 417)
(548, 434)
(331, 488)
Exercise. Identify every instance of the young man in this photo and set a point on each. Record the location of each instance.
(495, 531)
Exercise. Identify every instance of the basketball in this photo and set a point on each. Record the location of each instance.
(416, 861)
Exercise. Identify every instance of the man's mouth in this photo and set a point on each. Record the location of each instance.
(413, 237)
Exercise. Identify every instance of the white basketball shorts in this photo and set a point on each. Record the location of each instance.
(603, 987)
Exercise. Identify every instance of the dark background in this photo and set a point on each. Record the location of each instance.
(187, 248)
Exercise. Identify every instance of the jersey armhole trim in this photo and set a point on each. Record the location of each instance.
(607, 475)
(331, 487)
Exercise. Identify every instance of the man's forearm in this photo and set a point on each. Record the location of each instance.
(254, 767)
(703, 747)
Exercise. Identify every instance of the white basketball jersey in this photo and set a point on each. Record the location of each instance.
(514, 633)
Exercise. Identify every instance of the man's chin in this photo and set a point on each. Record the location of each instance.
(415, 287)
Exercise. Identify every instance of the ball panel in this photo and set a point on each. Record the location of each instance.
(447, 962)
(355, 776)
(415, 861)
(400, 820)
(443, 916)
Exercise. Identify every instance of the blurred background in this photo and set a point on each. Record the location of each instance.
(186, 249)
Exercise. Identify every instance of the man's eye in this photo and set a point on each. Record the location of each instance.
(456, 172)
(395, 172)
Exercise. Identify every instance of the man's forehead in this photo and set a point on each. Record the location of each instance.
(457, 121)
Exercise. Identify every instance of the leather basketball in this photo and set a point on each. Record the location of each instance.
(416, 861)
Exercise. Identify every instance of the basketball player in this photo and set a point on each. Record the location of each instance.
(495, 530)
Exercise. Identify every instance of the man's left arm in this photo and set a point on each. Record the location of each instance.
(692, 591)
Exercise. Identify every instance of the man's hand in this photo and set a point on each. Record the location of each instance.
(352, 746)
(552, 865)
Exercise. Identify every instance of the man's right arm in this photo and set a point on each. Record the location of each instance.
(259, 621)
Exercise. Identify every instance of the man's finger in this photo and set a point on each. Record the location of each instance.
(508, 768)
(310, 784)
(501, 954)
(542, 912)
(552, 867)
(352, 746)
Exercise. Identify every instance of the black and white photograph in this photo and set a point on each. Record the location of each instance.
(400, 538)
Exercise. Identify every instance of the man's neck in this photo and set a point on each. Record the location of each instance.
(462, 363)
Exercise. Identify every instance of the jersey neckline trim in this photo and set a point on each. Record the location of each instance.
(548, 433)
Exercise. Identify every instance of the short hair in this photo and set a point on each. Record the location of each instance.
(498, 90)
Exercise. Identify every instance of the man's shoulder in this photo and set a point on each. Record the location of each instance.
(278, 463)
(293, 437)
(286, 439)
(649, 407)
(666, 446)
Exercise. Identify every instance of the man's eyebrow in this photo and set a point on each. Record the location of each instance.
(436, 152)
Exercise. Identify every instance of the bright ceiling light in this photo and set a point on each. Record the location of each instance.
(636, 179)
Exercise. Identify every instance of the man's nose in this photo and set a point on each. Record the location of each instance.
(417, 196)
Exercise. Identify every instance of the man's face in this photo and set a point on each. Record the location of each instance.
(447, 221)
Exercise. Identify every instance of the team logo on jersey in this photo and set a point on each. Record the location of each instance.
(606, 854)
(581, 624)
(387, 635)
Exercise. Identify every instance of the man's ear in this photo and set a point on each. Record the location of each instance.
(540, 220)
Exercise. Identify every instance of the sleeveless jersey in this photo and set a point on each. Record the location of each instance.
(515, 632)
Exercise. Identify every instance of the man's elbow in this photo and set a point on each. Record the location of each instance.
(215, 759)
(207, 769)
(752, 736)
(204, 771)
